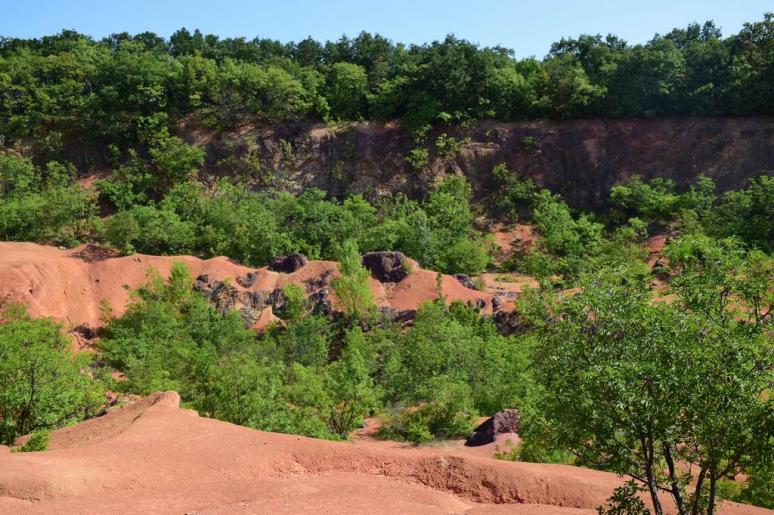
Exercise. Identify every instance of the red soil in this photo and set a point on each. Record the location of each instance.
(153, 457)
(69, 285)
(510, 239)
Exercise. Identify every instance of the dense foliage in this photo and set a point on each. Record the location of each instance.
(166, 213)
(570, 244)
(643, 386)
(315, 375)
(124, 88)
(43, 383)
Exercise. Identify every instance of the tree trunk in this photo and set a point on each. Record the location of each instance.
(647, 447)
(711, 501)
(676, 492)
(697, 492)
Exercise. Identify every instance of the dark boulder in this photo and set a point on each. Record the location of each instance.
(202, 283)
(387, 267)
(223, 296)
(288, 264)
(388, 312)
(403, 318)
(247, 280)
(465, 280)
(85, 331)
(255, 299)
(321, 302)
(276, 299)
(505, 421)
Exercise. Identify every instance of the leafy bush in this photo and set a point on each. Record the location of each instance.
(448, 146)
(448, 415)
(38, 441)
(45, 385)
(418, 158)
(40, 205)
(169, 337)
(625, 501)
(748, 214)
(655, 200)
(511, 194)
(353, 287)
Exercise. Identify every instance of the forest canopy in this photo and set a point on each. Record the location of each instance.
(125, 88)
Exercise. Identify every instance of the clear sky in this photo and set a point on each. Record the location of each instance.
(529, 27)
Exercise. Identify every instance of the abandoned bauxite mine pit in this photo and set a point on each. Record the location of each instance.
(414, 271)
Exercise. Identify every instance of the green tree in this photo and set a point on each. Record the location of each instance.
(45, 385)
(346, 91)
(351, 388)
(353, 287)
(628, 382)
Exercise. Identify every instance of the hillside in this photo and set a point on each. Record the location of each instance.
(253, 276)
(155, 457)
(71, 285)
(579, 159)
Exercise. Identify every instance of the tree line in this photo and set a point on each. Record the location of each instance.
(124, 88)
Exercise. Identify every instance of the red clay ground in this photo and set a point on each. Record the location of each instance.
(153, 457)
(69, 285)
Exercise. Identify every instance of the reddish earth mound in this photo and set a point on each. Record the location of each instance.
(153, 457)
(69, 285)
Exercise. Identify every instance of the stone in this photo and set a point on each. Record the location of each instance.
(502, 422)
(247, 280)
(386, 266)
(465, 280)
(288, 264)
(509, 323)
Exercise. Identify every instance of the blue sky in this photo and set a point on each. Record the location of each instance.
(528, 27)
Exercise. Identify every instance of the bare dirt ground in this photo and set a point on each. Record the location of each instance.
(153, 457)
(69, 285)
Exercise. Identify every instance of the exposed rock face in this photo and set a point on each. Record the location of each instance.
(322, 281)
(581, 159)
(505, 421)
(387, 267)
(465, 280)
(225, 297)
(288, 264)
(403, 318)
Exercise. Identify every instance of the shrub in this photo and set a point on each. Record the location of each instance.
(448, 146)
(353, 287)
(418, 158)
(44, 384)
(449, 414)
(38, 441)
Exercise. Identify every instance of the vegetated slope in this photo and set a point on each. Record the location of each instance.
(581, 159)
(70, 285)
(155, 457)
